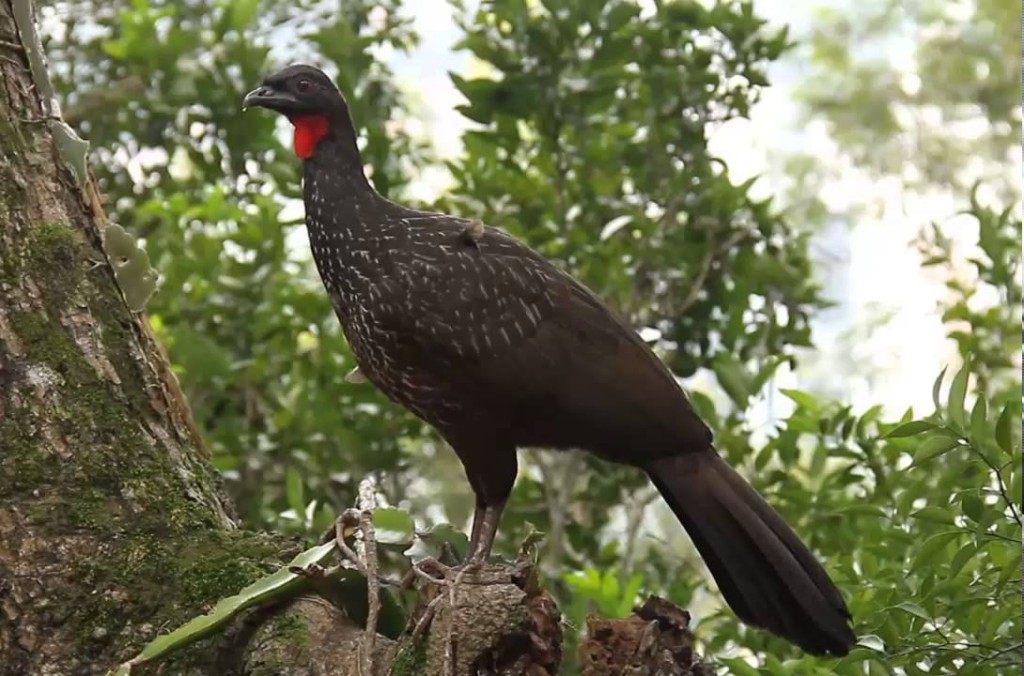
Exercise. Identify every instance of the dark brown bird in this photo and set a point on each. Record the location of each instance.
(497, 349)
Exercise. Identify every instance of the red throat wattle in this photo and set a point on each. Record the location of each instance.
(309, 131)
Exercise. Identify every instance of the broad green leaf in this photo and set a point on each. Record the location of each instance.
(265, 589)
(627, 598)
(767, 370)
(1008, 431)
(802, 399)
(934, 446)
(910, 429)
(926, 555)
(980, 430)
(961, 558)
(242, 13)
(972, 505)
(1010, 569)
(935, 513)
(865, 509)
(872, 642)
(734, 379)
(877, 668)
(914, 610)
(393, 526)
(955, 400)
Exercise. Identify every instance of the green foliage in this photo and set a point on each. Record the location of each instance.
(983, 314)
(904, 84)
(589, 140)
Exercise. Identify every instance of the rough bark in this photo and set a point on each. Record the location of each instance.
(113, 527)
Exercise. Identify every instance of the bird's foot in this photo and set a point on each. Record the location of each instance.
(430, 571)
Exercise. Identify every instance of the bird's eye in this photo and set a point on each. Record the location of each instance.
(303, 86)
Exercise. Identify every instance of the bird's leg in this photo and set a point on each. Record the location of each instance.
(478, 522)
(481, 539)
(485, 527)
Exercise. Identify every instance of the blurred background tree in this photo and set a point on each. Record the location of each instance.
(587, 127)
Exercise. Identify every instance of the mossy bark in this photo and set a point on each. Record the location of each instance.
(112, 524)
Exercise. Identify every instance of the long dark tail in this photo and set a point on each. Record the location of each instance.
(765, 572)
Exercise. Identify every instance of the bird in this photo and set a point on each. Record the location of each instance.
(498, 349)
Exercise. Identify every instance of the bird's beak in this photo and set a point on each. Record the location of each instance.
(268, 97)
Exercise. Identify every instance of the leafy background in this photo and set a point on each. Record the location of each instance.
(588, 130)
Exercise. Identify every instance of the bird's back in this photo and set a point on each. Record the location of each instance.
(476, 328)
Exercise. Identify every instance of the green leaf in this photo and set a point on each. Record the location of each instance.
(957, 395)
(910, 429)
(937, 389)
(913, 609)
(802, 399)
(627, 599)
(242, 13)
(878, 668)
(979, 421)
(265, 589)
(872, 642)
(934, 513)
(433, 542)
(972, 505)
(1007, 433)
(934, 446)
(932, 547)
(393, 526)
(295, 490)
(767, 370)
(961, 558)
(864, 509)
(737, 665)
(734, 379)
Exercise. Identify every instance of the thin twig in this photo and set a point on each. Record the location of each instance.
(999, 481)
(450, 647)
(1019, 646)
(635, 511)
(367, 503)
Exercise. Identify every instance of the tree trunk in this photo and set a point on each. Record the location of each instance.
(113, 527)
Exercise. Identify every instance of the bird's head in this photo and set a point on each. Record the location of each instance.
(307, 97)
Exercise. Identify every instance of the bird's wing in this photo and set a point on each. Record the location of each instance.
(496, 315)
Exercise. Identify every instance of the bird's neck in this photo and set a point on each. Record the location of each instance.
(340, 202)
